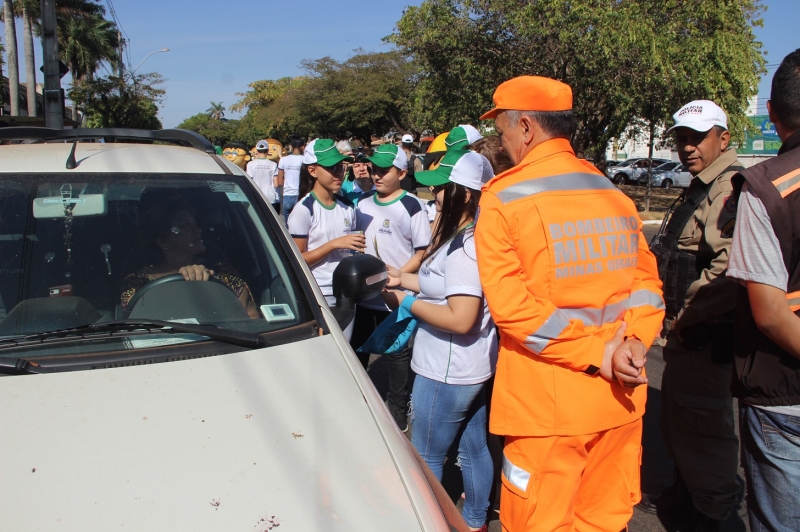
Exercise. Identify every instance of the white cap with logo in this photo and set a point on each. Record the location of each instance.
(407, 139)
(700, 115)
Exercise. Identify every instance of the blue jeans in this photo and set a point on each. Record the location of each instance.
(442, 414)
(288, 204)
(771, 461)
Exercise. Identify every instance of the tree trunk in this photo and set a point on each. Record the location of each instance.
(30, 63)
(13, 57)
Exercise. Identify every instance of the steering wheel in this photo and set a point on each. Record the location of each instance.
(172, 278)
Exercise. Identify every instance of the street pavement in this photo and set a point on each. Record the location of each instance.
(657, 468)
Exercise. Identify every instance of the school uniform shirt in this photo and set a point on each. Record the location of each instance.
(449, 357)
(262, 172)
(394, 231)
(290, 165)
(320, 224)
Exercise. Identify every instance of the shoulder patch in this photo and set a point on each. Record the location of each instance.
(456, 244)
(727, 229)
(730, 204)
(308, 203)
(412, 204)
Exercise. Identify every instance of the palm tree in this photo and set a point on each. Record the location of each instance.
(85, 42)
(13, 56)
(25, 10)
(216, 111)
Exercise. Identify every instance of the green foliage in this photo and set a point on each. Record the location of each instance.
(368, 93)
(218, 132)
(86, 41)
(623, 60)
(113, 102)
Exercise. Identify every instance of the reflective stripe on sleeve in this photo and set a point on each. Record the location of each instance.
(557, 183)
(516, 475)
(788, 183)
(549, 330)
(793, 300)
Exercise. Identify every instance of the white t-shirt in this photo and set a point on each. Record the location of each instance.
(448, 357)
(290, 165)
(394, 231)
(756, 256)
(263, 171)
(320, 224)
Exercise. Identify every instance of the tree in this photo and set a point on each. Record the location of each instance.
(616, 56)
(217, 131)
(13, 56)
(216, 111)
(272, 108)
(368, 93)
(84, 42)
(113, 102)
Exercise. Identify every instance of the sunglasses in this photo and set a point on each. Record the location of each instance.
(336, 169)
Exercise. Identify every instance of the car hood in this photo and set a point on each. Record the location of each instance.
(246, 441)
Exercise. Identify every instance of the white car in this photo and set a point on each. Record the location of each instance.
(201, 406)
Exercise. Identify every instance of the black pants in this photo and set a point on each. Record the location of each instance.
(366, 321)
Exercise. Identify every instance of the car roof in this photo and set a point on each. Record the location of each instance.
(94, 157)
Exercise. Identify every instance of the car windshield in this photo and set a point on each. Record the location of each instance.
(93, 249)
(666, 166)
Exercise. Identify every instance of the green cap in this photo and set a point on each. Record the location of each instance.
(464, 167)
(324, 153)
(388, 155)
(462, 136)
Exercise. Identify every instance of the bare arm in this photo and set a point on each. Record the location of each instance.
(413, 264)
(398, 279)
(279, 179)
(773, 316)
(457, 316)
(354, 241)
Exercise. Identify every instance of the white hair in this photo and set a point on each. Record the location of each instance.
(344, 147)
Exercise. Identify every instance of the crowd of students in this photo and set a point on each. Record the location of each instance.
(556, 295)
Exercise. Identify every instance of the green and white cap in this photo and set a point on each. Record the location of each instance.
(464, 167)
(388, 155)
(462, 136)
(324, 153)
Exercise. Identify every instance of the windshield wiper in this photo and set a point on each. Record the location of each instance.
(244, 339)
(16, 366)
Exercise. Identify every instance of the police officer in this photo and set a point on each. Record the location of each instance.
(692, 250)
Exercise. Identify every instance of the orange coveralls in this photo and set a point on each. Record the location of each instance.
(563, 262)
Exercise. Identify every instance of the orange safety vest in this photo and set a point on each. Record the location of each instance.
(562, 262)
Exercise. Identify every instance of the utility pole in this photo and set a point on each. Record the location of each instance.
(53, 97)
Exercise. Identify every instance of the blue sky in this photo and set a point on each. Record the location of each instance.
(217, 48)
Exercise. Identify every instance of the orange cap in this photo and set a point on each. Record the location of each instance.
(531, 93)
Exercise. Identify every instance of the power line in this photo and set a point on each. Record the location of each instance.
(119, 25)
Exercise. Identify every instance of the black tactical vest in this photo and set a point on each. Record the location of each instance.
(766, 375)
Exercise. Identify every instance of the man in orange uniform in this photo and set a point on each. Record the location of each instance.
(574, 289)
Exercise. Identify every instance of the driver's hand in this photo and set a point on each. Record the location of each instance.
(196, 272)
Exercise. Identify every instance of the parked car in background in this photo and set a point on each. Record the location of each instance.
(132, 397)
(629, 171)
(668, 175)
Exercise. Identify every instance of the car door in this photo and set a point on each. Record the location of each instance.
(682, 177)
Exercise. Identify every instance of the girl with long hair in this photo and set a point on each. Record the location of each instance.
(455, 349)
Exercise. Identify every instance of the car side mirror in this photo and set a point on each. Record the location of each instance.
(358, 278)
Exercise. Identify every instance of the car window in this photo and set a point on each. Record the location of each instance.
(82, 249)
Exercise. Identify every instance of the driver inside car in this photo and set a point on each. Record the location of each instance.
(172, 243)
